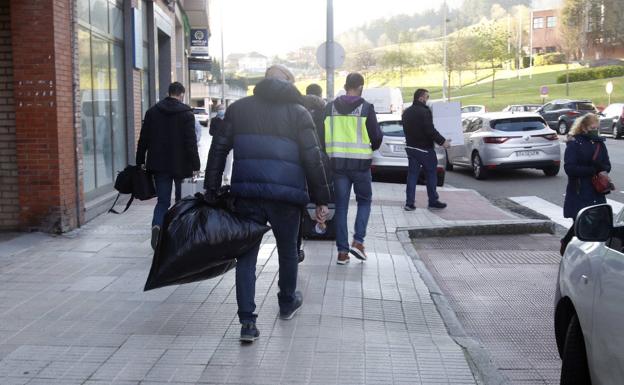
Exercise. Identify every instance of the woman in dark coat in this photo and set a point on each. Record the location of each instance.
(580, 166)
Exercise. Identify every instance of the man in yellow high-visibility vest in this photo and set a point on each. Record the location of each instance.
(351, 135)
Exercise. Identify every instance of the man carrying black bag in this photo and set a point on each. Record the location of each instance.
(276, 149)
(168, 138)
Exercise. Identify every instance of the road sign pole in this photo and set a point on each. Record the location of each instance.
(329, 53)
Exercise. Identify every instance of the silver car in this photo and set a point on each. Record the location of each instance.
(589, 300)
(505, 140)
(391, 155)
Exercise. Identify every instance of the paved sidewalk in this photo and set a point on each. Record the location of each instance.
(72, 310)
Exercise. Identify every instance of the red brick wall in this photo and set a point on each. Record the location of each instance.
(545, 37)
(43, 78)
(9, 198)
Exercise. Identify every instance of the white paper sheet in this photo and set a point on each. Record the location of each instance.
(447, 120)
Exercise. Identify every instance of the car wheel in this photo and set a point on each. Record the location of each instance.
(478, 170)
(562, 128)
(551, 171)
(574, 369)
(449, 165)
(616, 132)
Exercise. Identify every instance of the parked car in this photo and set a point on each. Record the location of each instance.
(561, 114)
(472, 110)
(522, 108)
(504, 140)
(202, 116)
(589, 300)
(612, 120)
(391, 155)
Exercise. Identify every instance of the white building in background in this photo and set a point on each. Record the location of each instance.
(250, 63)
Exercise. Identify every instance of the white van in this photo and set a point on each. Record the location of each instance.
(387, 100)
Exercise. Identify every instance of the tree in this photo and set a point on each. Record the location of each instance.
(459, 48)
(365, 61)
(571, 34)
(492, 46)
(215, 71)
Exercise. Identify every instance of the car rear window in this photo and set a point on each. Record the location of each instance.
(199, 111)
(522, 124)
(392, 128)
(581, 106)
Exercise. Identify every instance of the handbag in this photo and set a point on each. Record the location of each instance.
(601, 181)
(136, 181)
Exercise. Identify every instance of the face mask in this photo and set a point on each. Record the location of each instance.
(220, 113)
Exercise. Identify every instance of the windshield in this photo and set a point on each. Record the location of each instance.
(392, 128)
(522, 124)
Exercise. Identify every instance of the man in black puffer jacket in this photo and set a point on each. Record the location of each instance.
(168, 138)
(276, 150)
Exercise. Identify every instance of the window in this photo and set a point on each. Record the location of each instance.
(145, 86)
(538, 22)
(551, 21)
(548, 107)
(520, 124)
(392, 128)
(102, 80)
(585, 106)
(551, 49)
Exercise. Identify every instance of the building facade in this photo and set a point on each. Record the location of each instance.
(76, 77)
(544, 28)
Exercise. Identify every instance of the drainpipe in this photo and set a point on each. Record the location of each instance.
(74, 89)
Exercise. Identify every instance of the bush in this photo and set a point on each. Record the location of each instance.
(549, 58)
(592, 74)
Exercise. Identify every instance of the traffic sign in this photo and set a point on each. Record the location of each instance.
(609, 88)
(339, 55)
(544, 91)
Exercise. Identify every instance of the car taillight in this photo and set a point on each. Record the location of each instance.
(573, 113)
(550, 136)
(495, 139)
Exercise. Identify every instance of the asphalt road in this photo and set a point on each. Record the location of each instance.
(509, 183)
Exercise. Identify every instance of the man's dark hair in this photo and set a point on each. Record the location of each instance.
(314, 89)
(176, 89)
(354, 80)
(420, 92)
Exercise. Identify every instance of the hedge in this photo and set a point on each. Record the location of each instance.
(549, 58)
(592, 74)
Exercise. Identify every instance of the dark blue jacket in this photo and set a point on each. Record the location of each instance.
(276, 148)
(580, 168)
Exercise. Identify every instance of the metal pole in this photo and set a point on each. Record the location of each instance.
(444, 91)
(531, 47)
(329, 52)
(519, 43)
(509, 41)
(222, 58)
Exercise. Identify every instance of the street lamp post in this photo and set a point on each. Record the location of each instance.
(444, 84)
(329, 50)
(222, 57)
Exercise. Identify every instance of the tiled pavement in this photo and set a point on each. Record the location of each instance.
(72, 311)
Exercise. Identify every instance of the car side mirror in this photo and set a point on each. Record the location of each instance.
(594, 223)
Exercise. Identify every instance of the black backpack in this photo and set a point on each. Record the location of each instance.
(136, 181)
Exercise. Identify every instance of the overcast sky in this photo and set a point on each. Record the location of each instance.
(278, 26)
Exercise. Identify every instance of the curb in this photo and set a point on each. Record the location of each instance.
(527, 226)
(477, 355)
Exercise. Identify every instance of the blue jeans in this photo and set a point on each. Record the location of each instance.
(284, 219)
(427, 161)
(362, 185)
(163, 183)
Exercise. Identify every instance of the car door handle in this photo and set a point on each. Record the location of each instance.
(585, 279)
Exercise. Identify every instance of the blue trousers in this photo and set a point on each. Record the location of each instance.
(284, 219)
(163, 184)
(362, 186)
(428, 161)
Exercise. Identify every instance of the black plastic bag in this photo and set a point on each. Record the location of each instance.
(199, 240)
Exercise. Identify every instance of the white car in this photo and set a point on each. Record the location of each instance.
(589, 300)
(201, 115)
(387, 100)
(391, 155)
(472, 110)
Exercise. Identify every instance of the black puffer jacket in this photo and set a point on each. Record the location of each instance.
(276, 149)
(418, 127)
(168, 139)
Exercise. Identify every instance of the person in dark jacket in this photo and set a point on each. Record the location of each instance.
(350, 150)
(580, 166)
(168, 141)
(420, 136)
(276, 153)
(217, 125)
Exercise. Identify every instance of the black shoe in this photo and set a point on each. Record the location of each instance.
(409, 207)
(155, 234)
(249, 332)
(293, 308)
(301, 255)
(437, 205)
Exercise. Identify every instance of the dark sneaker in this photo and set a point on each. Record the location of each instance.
(249, 332)
(155, 233)
(437, 205)
(357, 249)
(293, 308)
(409, 207)
(301, 255)
(343, 258)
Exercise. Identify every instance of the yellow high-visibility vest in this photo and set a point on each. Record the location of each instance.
(346, 135)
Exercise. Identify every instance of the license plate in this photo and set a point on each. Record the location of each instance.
(399, 148)
(527, 153)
